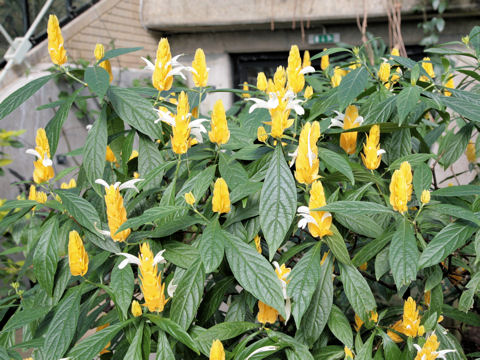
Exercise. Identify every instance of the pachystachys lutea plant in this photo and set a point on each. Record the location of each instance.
(308, 222)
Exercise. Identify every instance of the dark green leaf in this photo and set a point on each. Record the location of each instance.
(174, 330)
(45, 257)
(150, 216)
(403, 256)
(422, 179)
(351, 86)
(212, 246)
(336, 161)
(110, 54)
(95, 149)
(336, 243)
(372, 248)
(80, 209)
(356, 208)
(460, 190)
(122, 286)
(406, 101)
(455, 211)
(25, 317)
(134, 351)
(149, 159)
(98, 80)
(340, 327)
(164, 351)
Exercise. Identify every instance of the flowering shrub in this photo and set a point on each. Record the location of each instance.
(306, 222)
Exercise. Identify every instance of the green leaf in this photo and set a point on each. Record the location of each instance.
(164, 351)
(357, 291)
(174, 330)
(382, 265)
(455, 211)
(360, 224)
(460, 190)
(80, 209)
(450, 238)
(406, 101)
(351, 86)
(403, 256)
(232, 171)
(464, 107)
(372, 248)
(278, 202)
(98, 80)
(54, 126)
(180, 254)
(188, 295)
(413, 159)
(25, 317)
(122, 286)
(449, 342)
(336, 161)
(336, 243)
(211, 246)
(90, 347)
(330, 51)
(45, 257)
(135, 111)
(318, 312)
(17, 204)
(422, 179)
(110, 54)
(152, 175)
(149, 159)
(254, 273)
(213, 299)
(150, 216)
(365, 351)
(127, 148)
(340, 327)
(452, 145)
(63, 326)
(21, 95)
(466, 300)
(95, 149)
(392, 352)
(356, 208)
(471, 318)
(303, 280)
(134, 351)
(329, 352)
(381, 112)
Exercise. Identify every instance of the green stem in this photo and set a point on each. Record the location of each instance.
(73, 77)
(178, 166)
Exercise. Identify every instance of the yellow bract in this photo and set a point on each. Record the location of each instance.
(429, 349)
(199, 64)
(323, 219)
(189, 198)
(296, 80)
(57, 52)
(428, 67)
(384, 72)
(410, 323)
(338, 74)
(245, 88)
(151, 281)
(70, 185)
(216, 351)
(266, 314)
(261, 81)
(105, 349)
(257, 243)
(279, 115)
(371, 157)
(348, 353)
(348, 140)
(161, 78)
(42, 173)
(308, 92)
(262, 135)
(38, 196)
(109, 155)
(471, 152)
(77, 256)
(100, 53)
(306, 163)
(401, 188)
(325, 62)
(116, 213)
(181, 140)
(136, 308)
(425, 198)
(221, 197)
(219, 133)
(450, 85)
(395, 52)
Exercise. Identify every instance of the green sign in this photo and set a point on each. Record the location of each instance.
(323, 38)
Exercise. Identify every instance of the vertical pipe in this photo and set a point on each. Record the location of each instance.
(26, 16)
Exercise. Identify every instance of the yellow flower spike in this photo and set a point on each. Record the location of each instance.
(384, 72)
(279, 81)
(372, 154)
(325, 62)
(77, 256)
(105, 349)
(319, 222)
(427, 297)
(348, 354)
(401, 188)
(189, 198)
(199, 64)
(348, 140)
(57, 52)
(38, 196)
(151, 281)
(100, 53)
(262, 135)
(43, 169)
(161, 78)
(338, 74)
(216, 351)
(429, 349)
(245, 88)
(471, 152)
(296, 80)
(306, 59)
(450, 85)
(266, 314)
(398, 327)
(219, 133)
(261, 81)
(395, 52)
(411, 319)
(70, 185)
(180, 139)
(428, 67)
(257, 243)
(308, 92)
(221, 197)
(307, 163)
(136, 309)
(110, 156)
(425, 197)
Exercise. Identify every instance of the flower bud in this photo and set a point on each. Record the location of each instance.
(261, 81)
(221, 197)
(136, 308)
(425, 198)
(189, 198)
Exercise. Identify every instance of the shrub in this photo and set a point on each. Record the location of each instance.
(264, 231)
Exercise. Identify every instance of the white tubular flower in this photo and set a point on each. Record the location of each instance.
(88, 127)
(338, 120)
(197, 128)
(132, 259)
(294, 104)
(177, 68)
(171, 289)
(130, 184)
(46, 161)
(304, 212)
(293, 156)
(307, 69)
(262, 349)
(165, 116)
(272, 102)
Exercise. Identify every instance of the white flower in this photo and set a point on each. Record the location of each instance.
(304, 212)
(262, 349)
(46, 161)
(283, 281)
(130, 184)
(88, 127)
(438, 354)
(272, 102)
(380, 152)
(171, 288)
(307, 69)
(177, 68)
(132, 259)
(293, 103)
(338, 120)
(197, 128)
(165, 116)
(293, 156)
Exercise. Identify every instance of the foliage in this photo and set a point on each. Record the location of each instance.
(337, 246)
